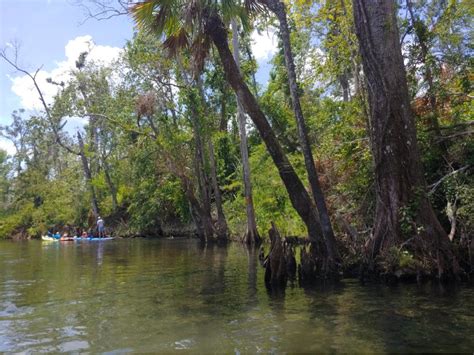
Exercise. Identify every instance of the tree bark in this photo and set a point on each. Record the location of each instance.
(298, 195)
(278, 8)
(400, 186)
(251, 235)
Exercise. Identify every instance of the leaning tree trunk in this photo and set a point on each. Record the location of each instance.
(278, 8)
(403, 209)
(88, 175)
(251, 234)
(298, 195)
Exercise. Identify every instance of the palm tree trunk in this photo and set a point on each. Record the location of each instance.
(278, 8)
(251, 235)
(298, 195)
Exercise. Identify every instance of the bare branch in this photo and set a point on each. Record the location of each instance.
(454, 172)
(101, 10)
(464, 133)
(14, 64)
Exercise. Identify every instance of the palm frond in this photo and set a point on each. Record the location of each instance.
(176, 42)
(254, 6)
(199, 50)
(142, 14)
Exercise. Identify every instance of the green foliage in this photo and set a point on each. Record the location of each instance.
(396, 261)
(143, 119)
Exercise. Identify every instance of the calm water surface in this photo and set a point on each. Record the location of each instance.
(173, 295)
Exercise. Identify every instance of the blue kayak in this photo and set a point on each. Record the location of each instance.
(76, 239)
(79, 239)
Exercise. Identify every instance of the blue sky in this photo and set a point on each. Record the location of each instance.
(52, 33)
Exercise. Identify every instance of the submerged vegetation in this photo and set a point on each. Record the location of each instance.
(372, 161)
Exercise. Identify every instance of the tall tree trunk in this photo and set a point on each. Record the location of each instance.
(344, 82)
(278, 8)
(221, 230)
(298, 195)
(401, 199)
(88, 175)
(223, 118)
(251, 235)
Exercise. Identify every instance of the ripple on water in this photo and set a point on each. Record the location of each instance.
(74, 345)
(9, 309)
(184, 344)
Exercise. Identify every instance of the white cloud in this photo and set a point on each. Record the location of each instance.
(7, 146)
(23, 86)
(264, 44)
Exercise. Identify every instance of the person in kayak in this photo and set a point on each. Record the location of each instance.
(100, 227)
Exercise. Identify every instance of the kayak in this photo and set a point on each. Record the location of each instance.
(79, 239)
(47, 238)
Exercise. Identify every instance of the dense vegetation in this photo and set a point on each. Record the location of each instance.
(161, 152)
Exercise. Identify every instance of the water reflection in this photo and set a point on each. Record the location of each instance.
(173, 295)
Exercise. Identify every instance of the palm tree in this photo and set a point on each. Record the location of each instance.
(278, 8)
(195, 25)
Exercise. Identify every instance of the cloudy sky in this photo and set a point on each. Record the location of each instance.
(52, 34)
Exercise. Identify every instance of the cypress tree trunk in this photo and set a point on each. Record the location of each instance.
(251, 234)
(298, 195)
(278, 8)
(403, 211)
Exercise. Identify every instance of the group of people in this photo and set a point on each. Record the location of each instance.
(98, 232)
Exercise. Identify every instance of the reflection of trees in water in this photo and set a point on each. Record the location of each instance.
(213, 283)
(251, 252)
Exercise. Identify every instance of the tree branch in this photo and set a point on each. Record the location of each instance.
(436, 184)
(14, 64)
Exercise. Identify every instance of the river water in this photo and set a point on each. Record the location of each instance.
(174, 295)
